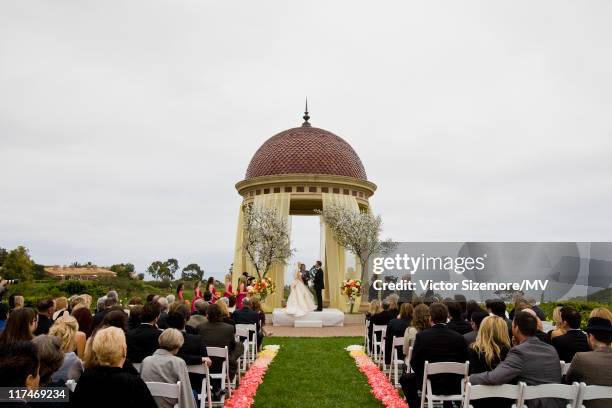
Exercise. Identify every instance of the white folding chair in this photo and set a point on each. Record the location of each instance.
(593, 392)
(252, 328)
(206, 394)
(442, 368)
(407, 360)
(244, 359)
(562, 391)
(138, 367)
(160, 389)
(395, 361)
(378, 346)
(224, 375)
(564, 367)
(366, 340)
(71, 385)
(476, 392)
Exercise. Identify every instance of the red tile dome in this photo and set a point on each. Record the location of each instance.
(306, 150)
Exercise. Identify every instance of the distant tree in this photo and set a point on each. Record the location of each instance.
(3, 255)
(192, 272)
(88, 264)
(163, 270)
(39, 271)
(141, 276)
(18, 265)
(123, 270)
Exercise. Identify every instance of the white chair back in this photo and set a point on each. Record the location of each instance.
(593, 392)
(251, 328)
(394, 372)
(565, 367)
(242, 333)
(378, 345)
(476, 392)
(206, 390)
(442, 368)
(160, 389)
(224, 376)
(71, 385)
(563, 391)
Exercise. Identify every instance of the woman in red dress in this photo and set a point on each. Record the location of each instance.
(210, 286)
(197, 294)
(242, 293)
(179, 292)
(229, 292)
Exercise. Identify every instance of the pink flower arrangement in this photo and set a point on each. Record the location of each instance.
(244, 395)
(382, 389)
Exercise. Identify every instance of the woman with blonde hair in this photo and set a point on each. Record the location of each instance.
(559, 329)
(229, 292)
(490, 348)
(66, 329)
(106, 384)
(164, 366)
(602, 312)
(225, 314)
(375, 308)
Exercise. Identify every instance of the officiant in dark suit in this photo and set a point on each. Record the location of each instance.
(319, 285)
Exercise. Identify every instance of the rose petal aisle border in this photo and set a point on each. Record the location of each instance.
(382, 389)
(243, 396)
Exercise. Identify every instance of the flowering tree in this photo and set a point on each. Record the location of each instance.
(266, 238)
(359, 232)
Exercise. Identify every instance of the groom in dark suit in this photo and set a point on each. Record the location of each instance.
(319, 285)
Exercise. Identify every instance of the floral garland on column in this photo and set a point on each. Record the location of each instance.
(244, 395)
(382, 389)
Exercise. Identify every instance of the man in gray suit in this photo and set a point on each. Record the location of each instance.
(530, 360)
(593, 367)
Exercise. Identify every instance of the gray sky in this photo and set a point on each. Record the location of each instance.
(124, 125)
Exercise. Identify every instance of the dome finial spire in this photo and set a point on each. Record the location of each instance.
(306, 117)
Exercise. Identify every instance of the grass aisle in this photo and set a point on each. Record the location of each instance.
(314, 373)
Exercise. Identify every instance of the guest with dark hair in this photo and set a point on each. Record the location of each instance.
(20, 326)
(85, 320)
(45, 308)
(471, 307)
(116, 317)
(456, 322)
(436, 344)
(210, 287)
(530, 360)
(19, 365)
(497, 307)
(593, 367)
(107, 384)
(151, 297)
(134, 318)
(476, 319)
(247, 315)
(421, 321)
(396, 328)
(142, 341)
(180, 295)
(208, 297)
(574, 340)
(462, 302)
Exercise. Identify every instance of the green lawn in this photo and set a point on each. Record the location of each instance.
(314, 372)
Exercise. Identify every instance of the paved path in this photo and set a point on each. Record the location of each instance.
(288, 331)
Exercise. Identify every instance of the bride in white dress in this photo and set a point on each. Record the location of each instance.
(300, 301)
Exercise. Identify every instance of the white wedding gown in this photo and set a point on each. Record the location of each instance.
(300, 301)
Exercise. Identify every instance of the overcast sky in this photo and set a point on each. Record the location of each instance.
(124, 125)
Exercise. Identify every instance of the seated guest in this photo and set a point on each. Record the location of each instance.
(436, 344)
(19, 365)
(83, 316)
(20, 326)
(393, 300)
(61, 307)
(574, 340)
(397, 328)
(193, 350)
(16, 301)
(225, 312)
(109, 303)
(247, 315)
(462, 302)
(420, 322)
(66, 329)
(142, 341)
(475, 319)
(472, 307)
(375, 307)
(3, 315)
(51, 359)
(530, 360)
(116, 317)
(45, 308)
(163, 315)
(256, 306)
(456, 323)
(559, 329)
(107, 384)
(199, 316)
(593, 367)
(135, 315)
(602, 312)
(380, 319)
(215, 333)
(497, 307)
(489, 348)
(163, 366)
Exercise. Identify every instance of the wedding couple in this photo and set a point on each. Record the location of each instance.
(301, 301)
